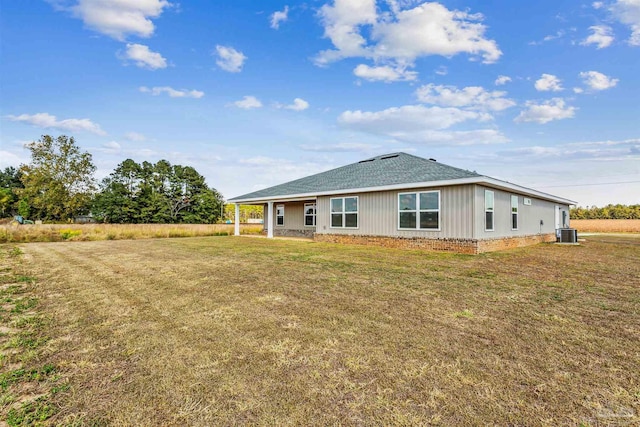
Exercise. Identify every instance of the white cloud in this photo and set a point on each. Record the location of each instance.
(248, 102)
(548, 38)
(578, 90)
(399, 36)
(144, 57)
(560, 169)
(10, 159)
(341, 24)
(553, 109)
(598, 81)
(432, 29)
(502, 80)
(472, 97)
(148, 153)
(111, 147)
(420, 124)
(343, 147)
(628, 13)
(264, 171)
(118, 18)
(602, 36)
(259, 161)
(267, 171)
(442, 70)
(384, 73)
(597, 4)
(406, 118)
(611, 150)
(548, 82)
(299, 104)
(230, 59)
(135, 136)
(173, 93)
(467, 137)
(48, 121)
(278, 17)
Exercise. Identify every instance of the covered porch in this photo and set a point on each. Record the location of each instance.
(284, 217)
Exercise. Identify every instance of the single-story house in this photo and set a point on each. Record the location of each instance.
(401, 200)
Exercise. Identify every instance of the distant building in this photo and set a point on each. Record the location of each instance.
(84, 219)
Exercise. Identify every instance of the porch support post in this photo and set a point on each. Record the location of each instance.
(270, 219)
(236, 221)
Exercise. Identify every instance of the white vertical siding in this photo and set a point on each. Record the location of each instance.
(378, 214)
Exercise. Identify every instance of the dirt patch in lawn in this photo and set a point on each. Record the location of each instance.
(226, 331)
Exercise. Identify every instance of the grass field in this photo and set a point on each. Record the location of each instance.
(83, 232)
(241, 330)
(606, 225)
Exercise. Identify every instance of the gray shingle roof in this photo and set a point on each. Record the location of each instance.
(387, 169)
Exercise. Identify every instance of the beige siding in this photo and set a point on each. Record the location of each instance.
(293, 216)
(378, 214)
(529, 217)
(461, 215)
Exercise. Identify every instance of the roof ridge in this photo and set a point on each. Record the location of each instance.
(444, 164)
(384, 169)
(379, 156)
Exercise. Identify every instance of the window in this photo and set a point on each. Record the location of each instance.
(514, 212)
(309, 214)
(488, 210)
(344, 212)
(419, 211)
(280, 215)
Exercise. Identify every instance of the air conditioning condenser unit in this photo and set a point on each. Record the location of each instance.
(568, 235)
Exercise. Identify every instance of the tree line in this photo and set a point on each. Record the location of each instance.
(59, 184)
(607, 212)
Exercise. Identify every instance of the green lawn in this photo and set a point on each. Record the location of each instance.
(240, 330)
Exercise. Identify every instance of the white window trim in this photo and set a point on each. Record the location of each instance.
(276, 216)
(344, 220)
(418, 210)
(517, 212)
(315, 215)
(493, 210)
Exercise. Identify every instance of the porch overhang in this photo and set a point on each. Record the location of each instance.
(263, 200)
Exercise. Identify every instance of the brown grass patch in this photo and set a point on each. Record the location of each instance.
(606, 225)
(228, 331)
(83, 232)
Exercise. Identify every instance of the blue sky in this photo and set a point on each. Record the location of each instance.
(544, 94)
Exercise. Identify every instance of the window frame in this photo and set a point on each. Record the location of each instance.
(344, 212)
(276, 216)
(314, 215)
(491, 210)
(418, 210)
(515, 214)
